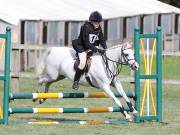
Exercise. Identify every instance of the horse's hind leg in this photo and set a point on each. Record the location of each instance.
(119, 88)
(47, 85)
(111, 94)
(40, 83)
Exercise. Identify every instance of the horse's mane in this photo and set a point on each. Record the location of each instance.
(126, 44)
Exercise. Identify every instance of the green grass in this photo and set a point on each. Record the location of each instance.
(171, 67)
(18, 122)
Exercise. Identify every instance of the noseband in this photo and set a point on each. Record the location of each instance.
(125, 56)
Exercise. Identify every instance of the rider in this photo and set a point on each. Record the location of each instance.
(90, 36)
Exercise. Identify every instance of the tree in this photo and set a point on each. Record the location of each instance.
(175, 3)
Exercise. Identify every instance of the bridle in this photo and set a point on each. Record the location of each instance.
(117, 63)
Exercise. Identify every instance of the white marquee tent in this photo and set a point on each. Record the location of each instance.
(12, 11)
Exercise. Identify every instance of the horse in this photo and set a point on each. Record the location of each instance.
(57, 63)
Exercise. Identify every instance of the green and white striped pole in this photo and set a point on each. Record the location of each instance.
(66, 110)
(65, 95)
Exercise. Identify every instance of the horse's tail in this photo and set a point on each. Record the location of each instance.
(40, 64)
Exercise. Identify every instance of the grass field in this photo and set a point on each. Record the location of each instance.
(171, 112)
(18, 123)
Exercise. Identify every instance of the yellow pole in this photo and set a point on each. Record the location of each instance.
(48, 110)
(1, 54)
(1, 49)
(145, 83)
(44, 122)
(151, 63)
(1, 113)
(2, 46)
(47, 95)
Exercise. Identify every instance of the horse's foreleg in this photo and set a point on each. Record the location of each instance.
(107, 89)
(119, 88)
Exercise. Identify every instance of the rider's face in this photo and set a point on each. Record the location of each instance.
(96, 24)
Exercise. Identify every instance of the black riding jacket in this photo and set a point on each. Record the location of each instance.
(89, 38)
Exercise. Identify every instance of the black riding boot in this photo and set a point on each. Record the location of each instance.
(77, 76)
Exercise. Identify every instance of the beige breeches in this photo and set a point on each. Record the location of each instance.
(82, 58)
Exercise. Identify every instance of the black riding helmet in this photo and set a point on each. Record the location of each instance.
(95, 16)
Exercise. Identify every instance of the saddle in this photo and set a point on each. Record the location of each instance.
(88, 62)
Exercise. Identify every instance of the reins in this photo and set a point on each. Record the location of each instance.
(117, 63)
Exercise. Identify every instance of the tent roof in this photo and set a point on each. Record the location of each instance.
(12, 11)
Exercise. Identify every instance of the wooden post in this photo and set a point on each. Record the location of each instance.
(15, 69)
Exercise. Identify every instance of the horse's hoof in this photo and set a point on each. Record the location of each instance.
(41, 101)
(75, 86)
(129, 118)
(135, 112)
